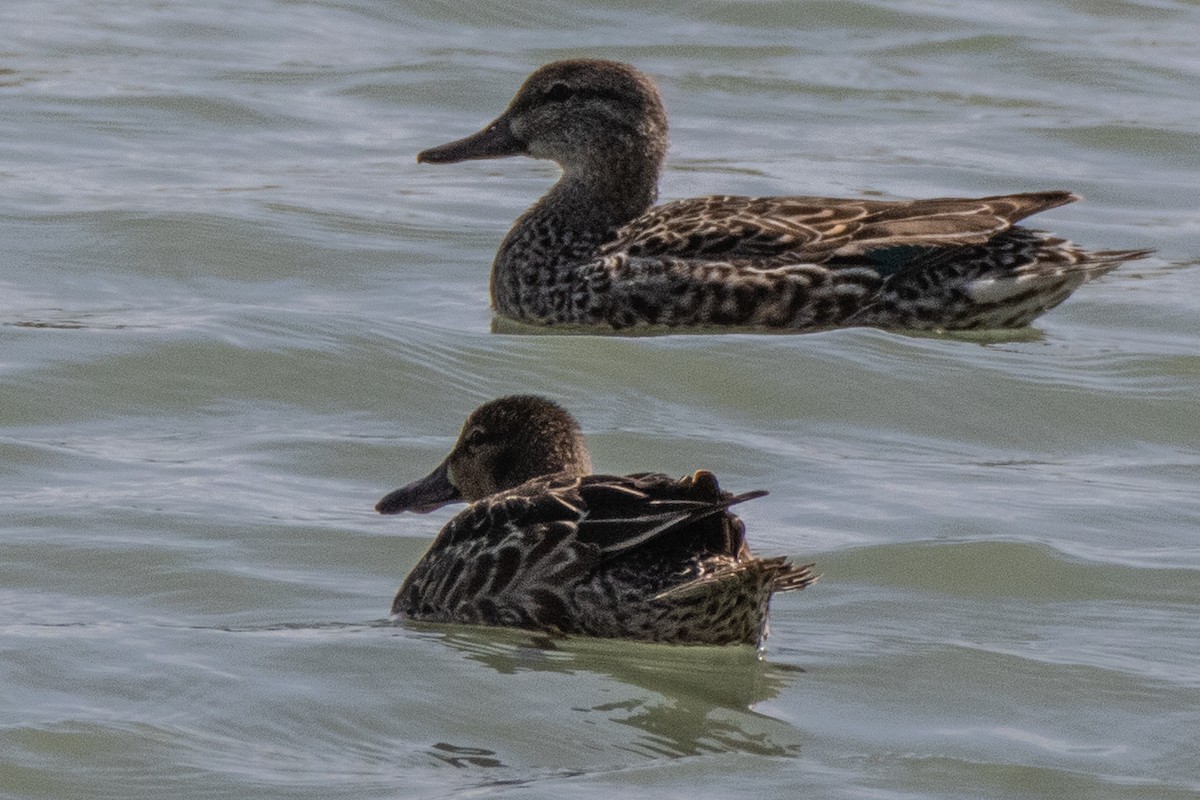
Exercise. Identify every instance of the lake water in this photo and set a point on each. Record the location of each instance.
(234, 312)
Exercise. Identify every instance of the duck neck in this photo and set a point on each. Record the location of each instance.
(563, 230)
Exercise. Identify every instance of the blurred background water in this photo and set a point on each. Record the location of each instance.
(234, 312)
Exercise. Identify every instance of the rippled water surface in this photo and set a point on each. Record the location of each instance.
(234, 312)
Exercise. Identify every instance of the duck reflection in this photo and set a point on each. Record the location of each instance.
(681, 701)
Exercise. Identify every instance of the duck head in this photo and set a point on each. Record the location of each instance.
(579, 113)
(502, 444)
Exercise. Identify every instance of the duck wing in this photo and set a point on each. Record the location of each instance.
(513, 559)
(611, 514)
(815, 229)
(653, 511)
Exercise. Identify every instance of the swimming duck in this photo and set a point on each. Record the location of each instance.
(548, 546)
(594, 252)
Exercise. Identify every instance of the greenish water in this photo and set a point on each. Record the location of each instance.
(234, 312)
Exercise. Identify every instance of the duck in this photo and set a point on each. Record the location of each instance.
(596, 252)
(546, 545)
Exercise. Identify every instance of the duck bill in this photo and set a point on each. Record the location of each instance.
(431, 492)
(494, 141)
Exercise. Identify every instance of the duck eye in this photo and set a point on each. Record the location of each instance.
(559, 92)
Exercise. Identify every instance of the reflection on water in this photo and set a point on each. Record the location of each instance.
(680, 700)
(506, 326)
(463, 756)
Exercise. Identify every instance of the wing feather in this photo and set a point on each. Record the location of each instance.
(814, 229)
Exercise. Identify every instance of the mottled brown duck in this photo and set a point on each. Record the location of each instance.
(595, 252)
(548, 546)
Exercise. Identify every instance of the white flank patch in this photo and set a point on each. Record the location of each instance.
(997, 290)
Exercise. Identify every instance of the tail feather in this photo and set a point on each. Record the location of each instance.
(1110, 259)
(1062, 265)
(793, 578)
(781, 576)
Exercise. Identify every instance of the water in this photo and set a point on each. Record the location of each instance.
(235, 312)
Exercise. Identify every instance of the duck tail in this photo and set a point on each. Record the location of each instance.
(791, 578)
(778, 574)
(1098, 262)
